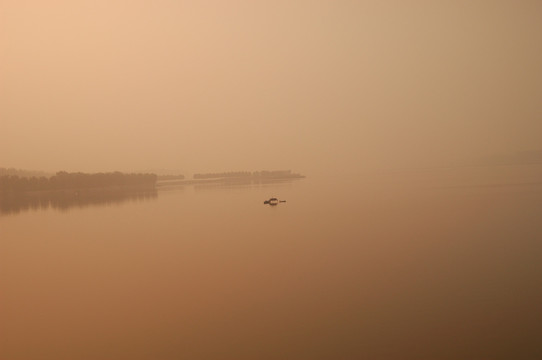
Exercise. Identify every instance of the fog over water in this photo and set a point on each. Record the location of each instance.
(434, 265)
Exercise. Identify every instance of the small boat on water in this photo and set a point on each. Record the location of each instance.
(273, 201)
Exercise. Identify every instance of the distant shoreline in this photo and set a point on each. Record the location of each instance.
(75, 184)
(229, 180)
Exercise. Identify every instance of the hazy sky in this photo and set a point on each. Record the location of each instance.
(247, 85)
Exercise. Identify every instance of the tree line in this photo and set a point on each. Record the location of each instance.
(63, 180)
(244, 174)
(23, 173)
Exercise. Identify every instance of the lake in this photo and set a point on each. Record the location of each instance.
(412, 264)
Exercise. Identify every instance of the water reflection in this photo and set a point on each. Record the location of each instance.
(66, 200)
(226, 184)
(348, 266)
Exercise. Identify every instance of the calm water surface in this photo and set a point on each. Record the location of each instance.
(436, 264)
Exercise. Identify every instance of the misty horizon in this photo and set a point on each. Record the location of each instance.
(525, 157)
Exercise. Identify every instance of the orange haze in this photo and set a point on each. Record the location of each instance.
(247, 85)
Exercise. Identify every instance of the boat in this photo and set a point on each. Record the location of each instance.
(272, 201)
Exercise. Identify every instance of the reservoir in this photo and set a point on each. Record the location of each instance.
(410, 264)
